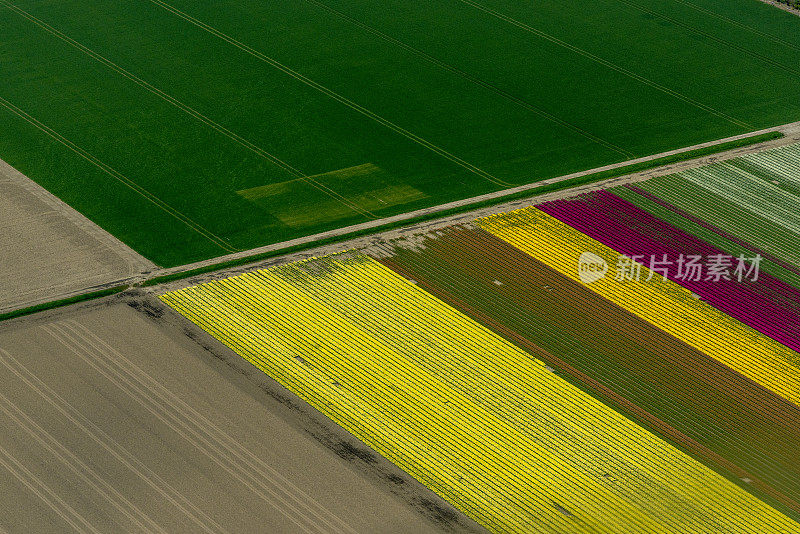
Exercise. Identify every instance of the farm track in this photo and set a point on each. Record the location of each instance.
(141, 274)
(182, 126)
(466, 352)
(50, 250)
(142, 270)
(779, 5)
(791, 131)
(401, 370)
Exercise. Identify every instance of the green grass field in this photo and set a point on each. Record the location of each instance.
(191, 129)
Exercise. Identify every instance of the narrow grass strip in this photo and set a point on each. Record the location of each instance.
(63, 302)
(528, 193)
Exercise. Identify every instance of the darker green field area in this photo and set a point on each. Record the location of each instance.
(192, 129)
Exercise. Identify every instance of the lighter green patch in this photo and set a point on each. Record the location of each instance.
(359, 191)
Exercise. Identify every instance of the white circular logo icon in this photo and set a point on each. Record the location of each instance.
(591, 267)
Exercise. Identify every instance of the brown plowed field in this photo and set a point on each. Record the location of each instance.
(121, 420)
(50, 251)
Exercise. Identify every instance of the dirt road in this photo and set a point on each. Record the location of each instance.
(30, 271)
(783, 6)
(791, 131)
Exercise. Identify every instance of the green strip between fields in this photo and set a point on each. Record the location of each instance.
(530, 193)
(62, 302)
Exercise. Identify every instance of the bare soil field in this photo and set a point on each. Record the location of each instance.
(117, 416)
(50, 251)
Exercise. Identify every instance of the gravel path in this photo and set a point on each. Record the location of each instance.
(783, 6)
(57, 253)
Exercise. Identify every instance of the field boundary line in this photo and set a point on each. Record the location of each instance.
(691, 28)
(737, 23)
(332, 94)
(118, 176)
(429, 219)
(466, 210)
(604, 62)
(783, 6)
(135, 262)
(474, 79)
(188, 109)
(186, 422)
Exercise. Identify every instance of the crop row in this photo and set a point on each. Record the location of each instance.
(664, 303)
(760, 300)
(464, 411)
(690, 399)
